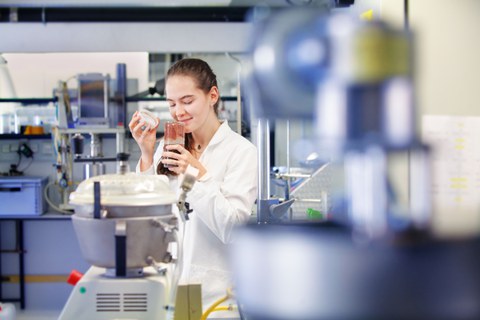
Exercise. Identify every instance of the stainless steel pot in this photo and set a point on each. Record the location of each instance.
(124, 222)
(145, 239)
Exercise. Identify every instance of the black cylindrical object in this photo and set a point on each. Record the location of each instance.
(77, 142)
(122, 163)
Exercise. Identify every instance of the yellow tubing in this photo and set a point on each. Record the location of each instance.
(215, 305)
(225, 308)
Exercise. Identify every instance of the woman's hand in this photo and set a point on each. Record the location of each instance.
(178, 159)
(145, 137)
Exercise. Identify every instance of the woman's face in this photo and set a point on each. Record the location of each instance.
(188, 103)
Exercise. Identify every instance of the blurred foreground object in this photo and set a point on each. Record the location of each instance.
(353, 78)
(316, 271)
(374, 259)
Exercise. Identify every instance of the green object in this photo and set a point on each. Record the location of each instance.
(83, 290)
(314, 214)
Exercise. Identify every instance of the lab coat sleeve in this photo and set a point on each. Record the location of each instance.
(156, 159)
(223, 204)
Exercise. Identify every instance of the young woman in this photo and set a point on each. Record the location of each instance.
(226, 186)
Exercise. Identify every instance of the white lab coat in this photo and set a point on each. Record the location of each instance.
(221, 199)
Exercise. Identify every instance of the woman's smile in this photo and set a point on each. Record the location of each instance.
(186, 121)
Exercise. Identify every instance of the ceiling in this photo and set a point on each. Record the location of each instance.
(170, 3)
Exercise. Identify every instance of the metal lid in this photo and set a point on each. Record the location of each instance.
(126, 190)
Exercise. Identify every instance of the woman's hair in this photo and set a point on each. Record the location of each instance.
(204, 78)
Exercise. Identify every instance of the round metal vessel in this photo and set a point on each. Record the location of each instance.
(145, 238)
(317, 271)
(136, 208)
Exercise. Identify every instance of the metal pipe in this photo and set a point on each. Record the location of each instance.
(239, 106)
(288, 182)
(406, 11)
(263, 149)
(21, 261)
(288, 146)
(120, 141)
(263, 145)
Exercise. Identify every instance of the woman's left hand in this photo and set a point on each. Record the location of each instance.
(180, 158)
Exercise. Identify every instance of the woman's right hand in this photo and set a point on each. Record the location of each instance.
(146, 138)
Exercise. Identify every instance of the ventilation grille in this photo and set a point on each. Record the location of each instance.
(135, 302)
(126, 302)
(108, 302)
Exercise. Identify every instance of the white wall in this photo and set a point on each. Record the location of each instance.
(447, 78)
(448, 82)
(35, 75)
(448, 56)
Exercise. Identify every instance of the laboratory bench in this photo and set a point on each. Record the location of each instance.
(19, 248)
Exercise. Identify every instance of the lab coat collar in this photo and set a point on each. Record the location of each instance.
(221, 133)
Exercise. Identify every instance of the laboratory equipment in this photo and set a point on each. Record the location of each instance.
(22, 195)
(127, 231)
(122, 163)
(7, 311)
(354, 79)
(68, 145)
(7, 89)
(370, 259)
(95, 110)
(93, 100)
(92, 104)
(314, 193)
(315, 271)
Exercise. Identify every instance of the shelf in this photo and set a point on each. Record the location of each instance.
(28, 100)
(103, 132)
(128, 99)
(138, 99)
(93, 130)
(13, 136)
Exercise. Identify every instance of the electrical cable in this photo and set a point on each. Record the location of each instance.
(50, 202)
(19, 158)
(28, 166)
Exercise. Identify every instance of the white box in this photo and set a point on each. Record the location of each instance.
(22, 196)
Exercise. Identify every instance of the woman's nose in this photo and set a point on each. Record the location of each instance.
(179, 110)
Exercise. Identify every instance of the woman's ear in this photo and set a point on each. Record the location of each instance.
(214, 94)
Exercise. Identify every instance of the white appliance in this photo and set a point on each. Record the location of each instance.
(96, 296)
(126, 230)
